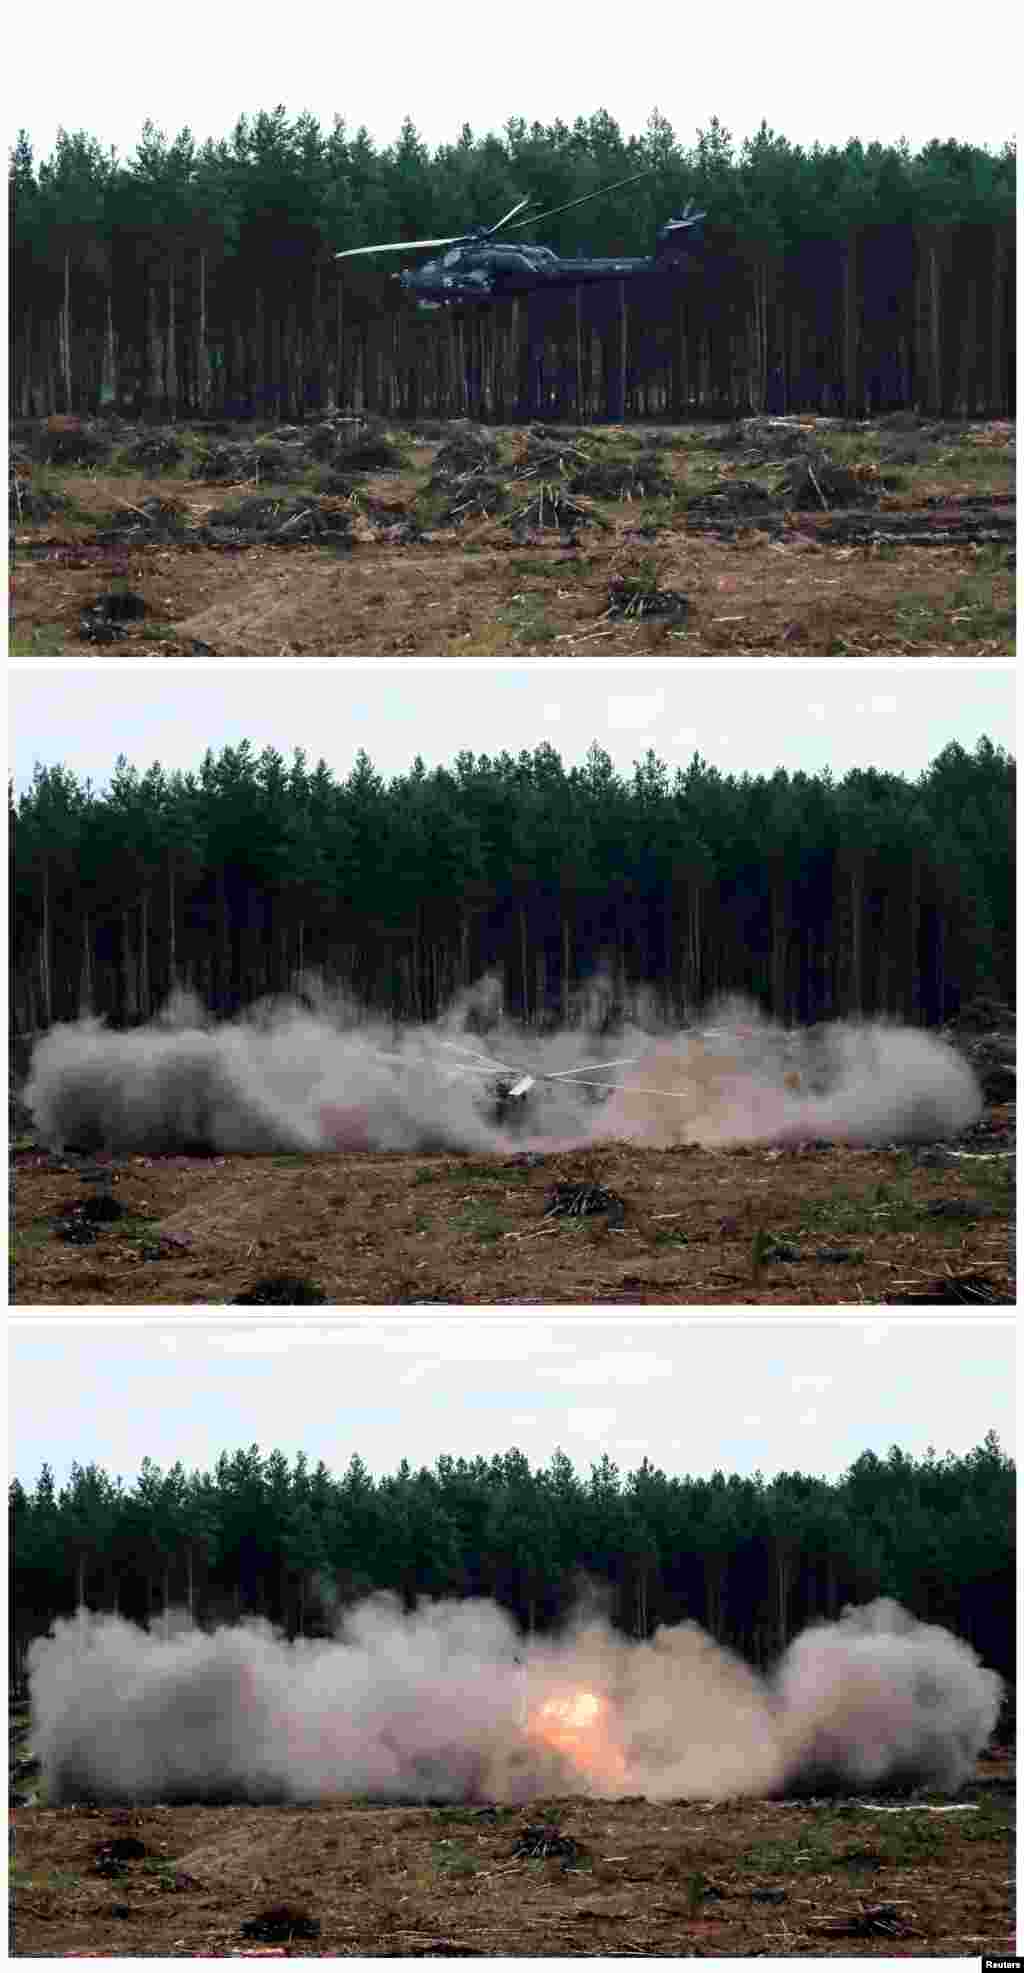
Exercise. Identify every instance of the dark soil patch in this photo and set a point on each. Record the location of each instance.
(280, 1291)
(567, 1878)
(112, 615)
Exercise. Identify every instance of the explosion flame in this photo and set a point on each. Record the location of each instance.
(578, 1728)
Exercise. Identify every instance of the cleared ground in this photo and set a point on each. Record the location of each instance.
(807, 536)
(811, 1225)
(783, 1879)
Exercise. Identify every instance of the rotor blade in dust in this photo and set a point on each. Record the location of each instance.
(536, 217)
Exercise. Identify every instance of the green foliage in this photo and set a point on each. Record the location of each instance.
(263, 211)
(432, 879)
(293, 1543)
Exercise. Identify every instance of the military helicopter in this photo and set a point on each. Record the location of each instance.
(474, 270)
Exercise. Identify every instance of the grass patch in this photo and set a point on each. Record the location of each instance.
(845, 1212)
(47, 1880)
(39, 1234)
(484, 1221)
(525, 615)
(45, 641)
(454, 1860)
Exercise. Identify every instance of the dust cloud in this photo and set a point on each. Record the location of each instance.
(449, 1702)
(292, 1076)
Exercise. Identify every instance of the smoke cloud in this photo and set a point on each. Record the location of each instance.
(288, 1077)
(450, 1703)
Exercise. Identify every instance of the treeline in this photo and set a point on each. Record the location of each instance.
(752, 1560)
(873, 895)
(201, 280)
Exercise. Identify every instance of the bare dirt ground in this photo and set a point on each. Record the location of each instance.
(806, 536)
(818, 1225)
(783, 1879)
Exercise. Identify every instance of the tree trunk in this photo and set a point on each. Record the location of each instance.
(108, 380)
(45, 976)
(155, 391)
(523, 962)
(203, 354)
(934, 330)
(85, 985)
(172, 360)
(997, 406)
(66, 333)
(172, 930)
(144, 995)
(129, 970)
(565, 969)
(851, 366)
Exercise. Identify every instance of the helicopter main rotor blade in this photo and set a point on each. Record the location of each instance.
(536, 217)
(508, 216)
(402, 246)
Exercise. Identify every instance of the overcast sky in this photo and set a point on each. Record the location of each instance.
(891, 71)
(740, 719)
(690, 1395)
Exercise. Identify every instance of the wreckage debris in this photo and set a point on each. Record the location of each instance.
(280, 1291)
(77, 1220)
(114, 1855)
(279, 1923)
(570, 1198)
(545, 1840)
(111, 616)
(868, 1922)
(952, 1291)
(640, 595)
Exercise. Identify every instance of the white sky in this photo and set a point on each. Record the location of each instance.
(691, 1395)
(740, 719)
(891, 71)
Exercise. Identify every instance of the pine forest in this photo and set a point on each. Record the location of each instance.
(200, 280)
(873, 895)
(753, 1561)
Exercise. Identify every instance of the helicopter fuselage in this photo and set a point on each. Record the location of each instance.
(481, 271)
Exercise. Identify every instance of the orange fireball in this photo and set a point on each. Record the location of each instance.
(579, 1728)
